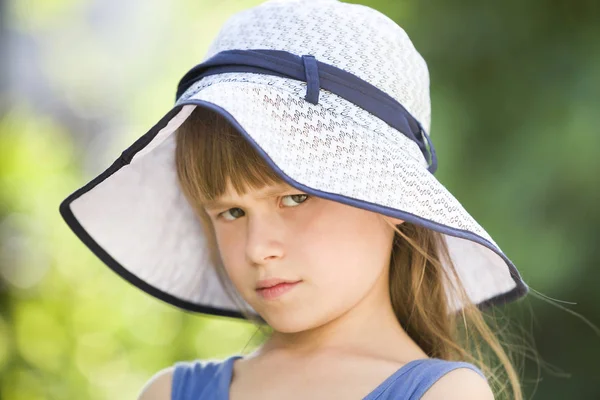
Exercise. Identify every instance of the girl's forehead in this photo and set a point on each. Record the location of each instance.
(266, 190)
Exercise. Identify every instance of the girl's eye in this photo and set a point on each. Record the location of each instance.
(296, 198)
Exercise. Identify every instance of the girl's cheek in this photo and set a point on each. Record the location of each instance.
(232, 250)
(225, 237)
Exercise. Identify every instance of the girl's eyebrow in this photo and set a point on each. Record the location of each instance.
(264, 194)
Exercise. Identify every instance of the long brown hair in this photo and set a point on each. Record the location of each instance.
(210, 153)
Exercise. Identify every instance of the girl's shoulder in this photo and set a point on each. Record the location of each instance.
(158, 386)
(434, 378)
(460, 383)
(186, 380)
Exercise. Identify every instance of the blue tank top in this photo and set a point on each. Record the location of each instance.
(202, 379)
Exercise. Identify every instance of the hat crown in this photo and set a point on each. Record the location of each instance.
(353, 37)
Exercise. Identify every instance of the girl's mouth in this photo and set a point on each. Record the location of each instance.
(276, 291)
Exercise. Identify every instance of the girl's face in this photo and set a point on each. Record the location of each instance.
(338, 252)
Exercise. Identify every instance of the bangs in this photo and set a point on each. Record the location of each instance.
(210, 153)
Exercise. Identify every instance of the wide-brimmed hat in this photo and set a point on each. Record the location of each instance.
(335, 98)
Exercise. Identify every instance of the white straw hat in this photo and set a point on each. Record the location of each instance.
(335, 98)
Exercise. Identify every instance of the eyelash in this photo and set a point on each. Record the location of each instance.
(220, 215)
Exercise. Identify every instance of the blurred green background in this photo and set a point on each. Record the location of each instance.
(515, 91)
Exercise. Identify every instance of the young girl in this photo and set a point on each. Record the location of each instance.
(292, 185)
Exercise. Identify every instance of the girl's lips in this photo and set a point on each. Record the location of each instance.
(276, 291)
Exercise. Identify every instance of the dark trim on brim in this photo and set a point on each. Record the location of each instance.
(72, 222)
(519, 291)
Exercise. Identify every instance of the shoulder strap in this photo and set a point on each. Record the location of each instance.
(412, 380)
(430, 371)
(192, 379)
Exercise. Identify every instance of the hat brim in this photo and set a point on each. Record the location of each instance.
(135, 218)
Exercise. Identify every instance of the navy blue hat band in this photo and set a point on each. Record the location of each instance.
(317, 75)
